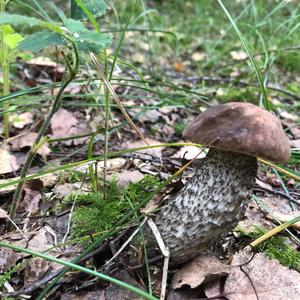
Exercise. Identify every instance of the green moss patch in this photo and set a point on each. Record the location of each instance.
(275, 248)
(95, 213)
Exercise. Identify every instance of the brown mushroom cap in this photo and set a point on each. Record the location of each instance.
(243, 128)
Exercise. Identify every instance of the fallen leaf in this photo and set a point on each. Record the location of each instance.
(21, 120)
(30, 202)
(201, 270)
(271, 280)
(48, 180)
(8, 258)
(277, 215)
(8, 162)
(111, 165)
(64, 124)
(145, 153)
(238, 55)
(24, 141)
(63, 190)
(117, 293)
(127, 177)
(35, 269)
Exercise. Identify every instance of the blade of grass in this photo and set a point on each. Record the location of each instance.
(251, 58)
(81, 269)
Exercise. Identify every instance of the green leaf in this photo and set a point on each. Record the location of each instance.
(93, 41)
(13, 19)
(41, 40)
(11, 38)
(74, 26)
(96, 7)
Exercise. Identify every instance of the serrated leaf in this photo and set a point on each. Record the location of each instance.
(93, 41)
(40, 40)
(74, 26)
(13, 19)
(96, 7)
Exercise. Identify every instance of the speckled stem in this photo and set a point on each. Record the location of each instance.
(209, 205)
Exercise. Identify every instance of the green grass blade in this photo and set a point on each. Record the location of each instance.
(251, 58)
(82, 269)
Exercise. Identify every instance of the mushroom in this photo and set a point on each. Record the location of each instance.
(214, 199)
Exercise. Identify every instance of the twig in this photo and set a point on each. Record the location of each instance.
(166, 253)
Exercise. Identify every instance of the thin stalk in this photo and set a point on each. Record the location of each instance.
(115, 281)
(5, 70)
(33, 150)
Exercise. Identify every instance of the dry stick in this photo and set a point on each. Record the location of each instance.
(40, 139)
(165, 252)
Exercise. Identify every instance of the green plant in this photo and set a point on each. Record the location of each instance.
(276, 247)
(8, 41)
(93, 212)
(8, 274)
(73, 36)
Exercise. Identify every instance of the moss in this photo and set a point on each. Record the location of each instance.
(275, 248)
(238, 95)
(94, 213)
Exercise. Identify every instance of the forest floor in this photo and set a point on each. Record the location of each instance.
(83, 198)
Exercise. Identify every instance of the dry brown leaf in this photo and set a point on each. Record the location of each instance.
(201, 270)
(145, 153)
(8, 258)
(113, 164)
(271, 280)
(30, 202)
(35, 269)
(23, 141)
(62, 123)
(8, 162)
(65, 124)
(277, 215)
(48, 180)
(63, 190)
(114, 292)
(21, 120)
(127, 177)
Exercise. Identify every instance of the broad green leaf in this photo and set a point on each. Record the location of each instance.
(16, 20)
(74, 26)
(11, 38)
(13, 19)
(40, 40)
(101, 39)
(96, 7)
(93, 41)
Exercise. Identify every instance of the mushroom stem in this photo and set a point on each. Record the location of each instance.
(209, 205)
